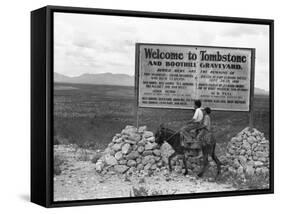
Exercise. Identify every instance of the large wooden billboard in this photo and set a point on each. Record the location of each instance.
(173, 76)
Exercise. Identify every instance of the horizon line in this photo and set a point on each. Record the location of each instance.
(267, 90)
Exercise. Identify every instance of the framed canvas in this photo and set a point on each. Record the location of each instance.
(130, 106)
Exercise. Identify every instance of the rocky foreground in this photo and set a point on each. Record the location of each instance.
(79, 180)
(133, 161)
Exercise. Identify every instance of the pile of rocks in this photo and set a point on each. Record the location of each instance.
(135, 151)
(248, 153)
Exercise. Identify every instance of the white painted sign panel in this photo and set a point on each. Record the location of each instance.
(173, 76)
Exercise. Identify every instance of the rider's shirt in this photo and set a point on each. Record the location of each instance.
(198, 115)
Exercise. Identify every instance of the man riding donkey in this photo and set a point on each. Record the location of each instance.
(196, 136)
(195, 129)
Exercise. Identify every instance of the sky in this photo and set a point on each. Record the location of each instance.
(100, 44)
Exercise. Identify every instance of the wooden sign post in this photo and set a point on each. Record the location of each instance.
(252, 90)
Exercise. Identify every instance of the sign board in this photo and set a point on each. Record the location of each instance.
(173, 76)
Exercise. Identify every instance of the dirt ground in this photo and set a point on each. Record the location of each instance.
(79, 180)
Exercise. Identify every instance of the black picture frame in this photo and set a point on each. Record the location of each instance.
(42, 103)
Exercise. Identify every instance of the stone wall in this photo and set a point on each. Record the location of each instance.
(134, 151)
(248, 153)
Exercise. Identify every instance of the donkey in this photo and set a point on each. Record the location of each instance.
(174, 139)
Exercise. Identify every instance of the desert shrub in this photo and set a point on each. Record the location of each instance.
(139, 192)
(83, 155)
(163, 192)
(142, 191)
(260, 181)
(58, 162)
(60, 140)
(96, 156)
(56, 140)
(257, 181)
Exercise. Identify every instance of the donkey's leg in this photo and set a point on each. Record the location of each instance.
(205, 162)
(185, 165)
(217, 161)
(169, 160)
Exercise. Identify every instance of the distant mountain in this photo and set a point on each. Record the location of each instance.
(97, 79)
(61, 78)
(111, 79)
